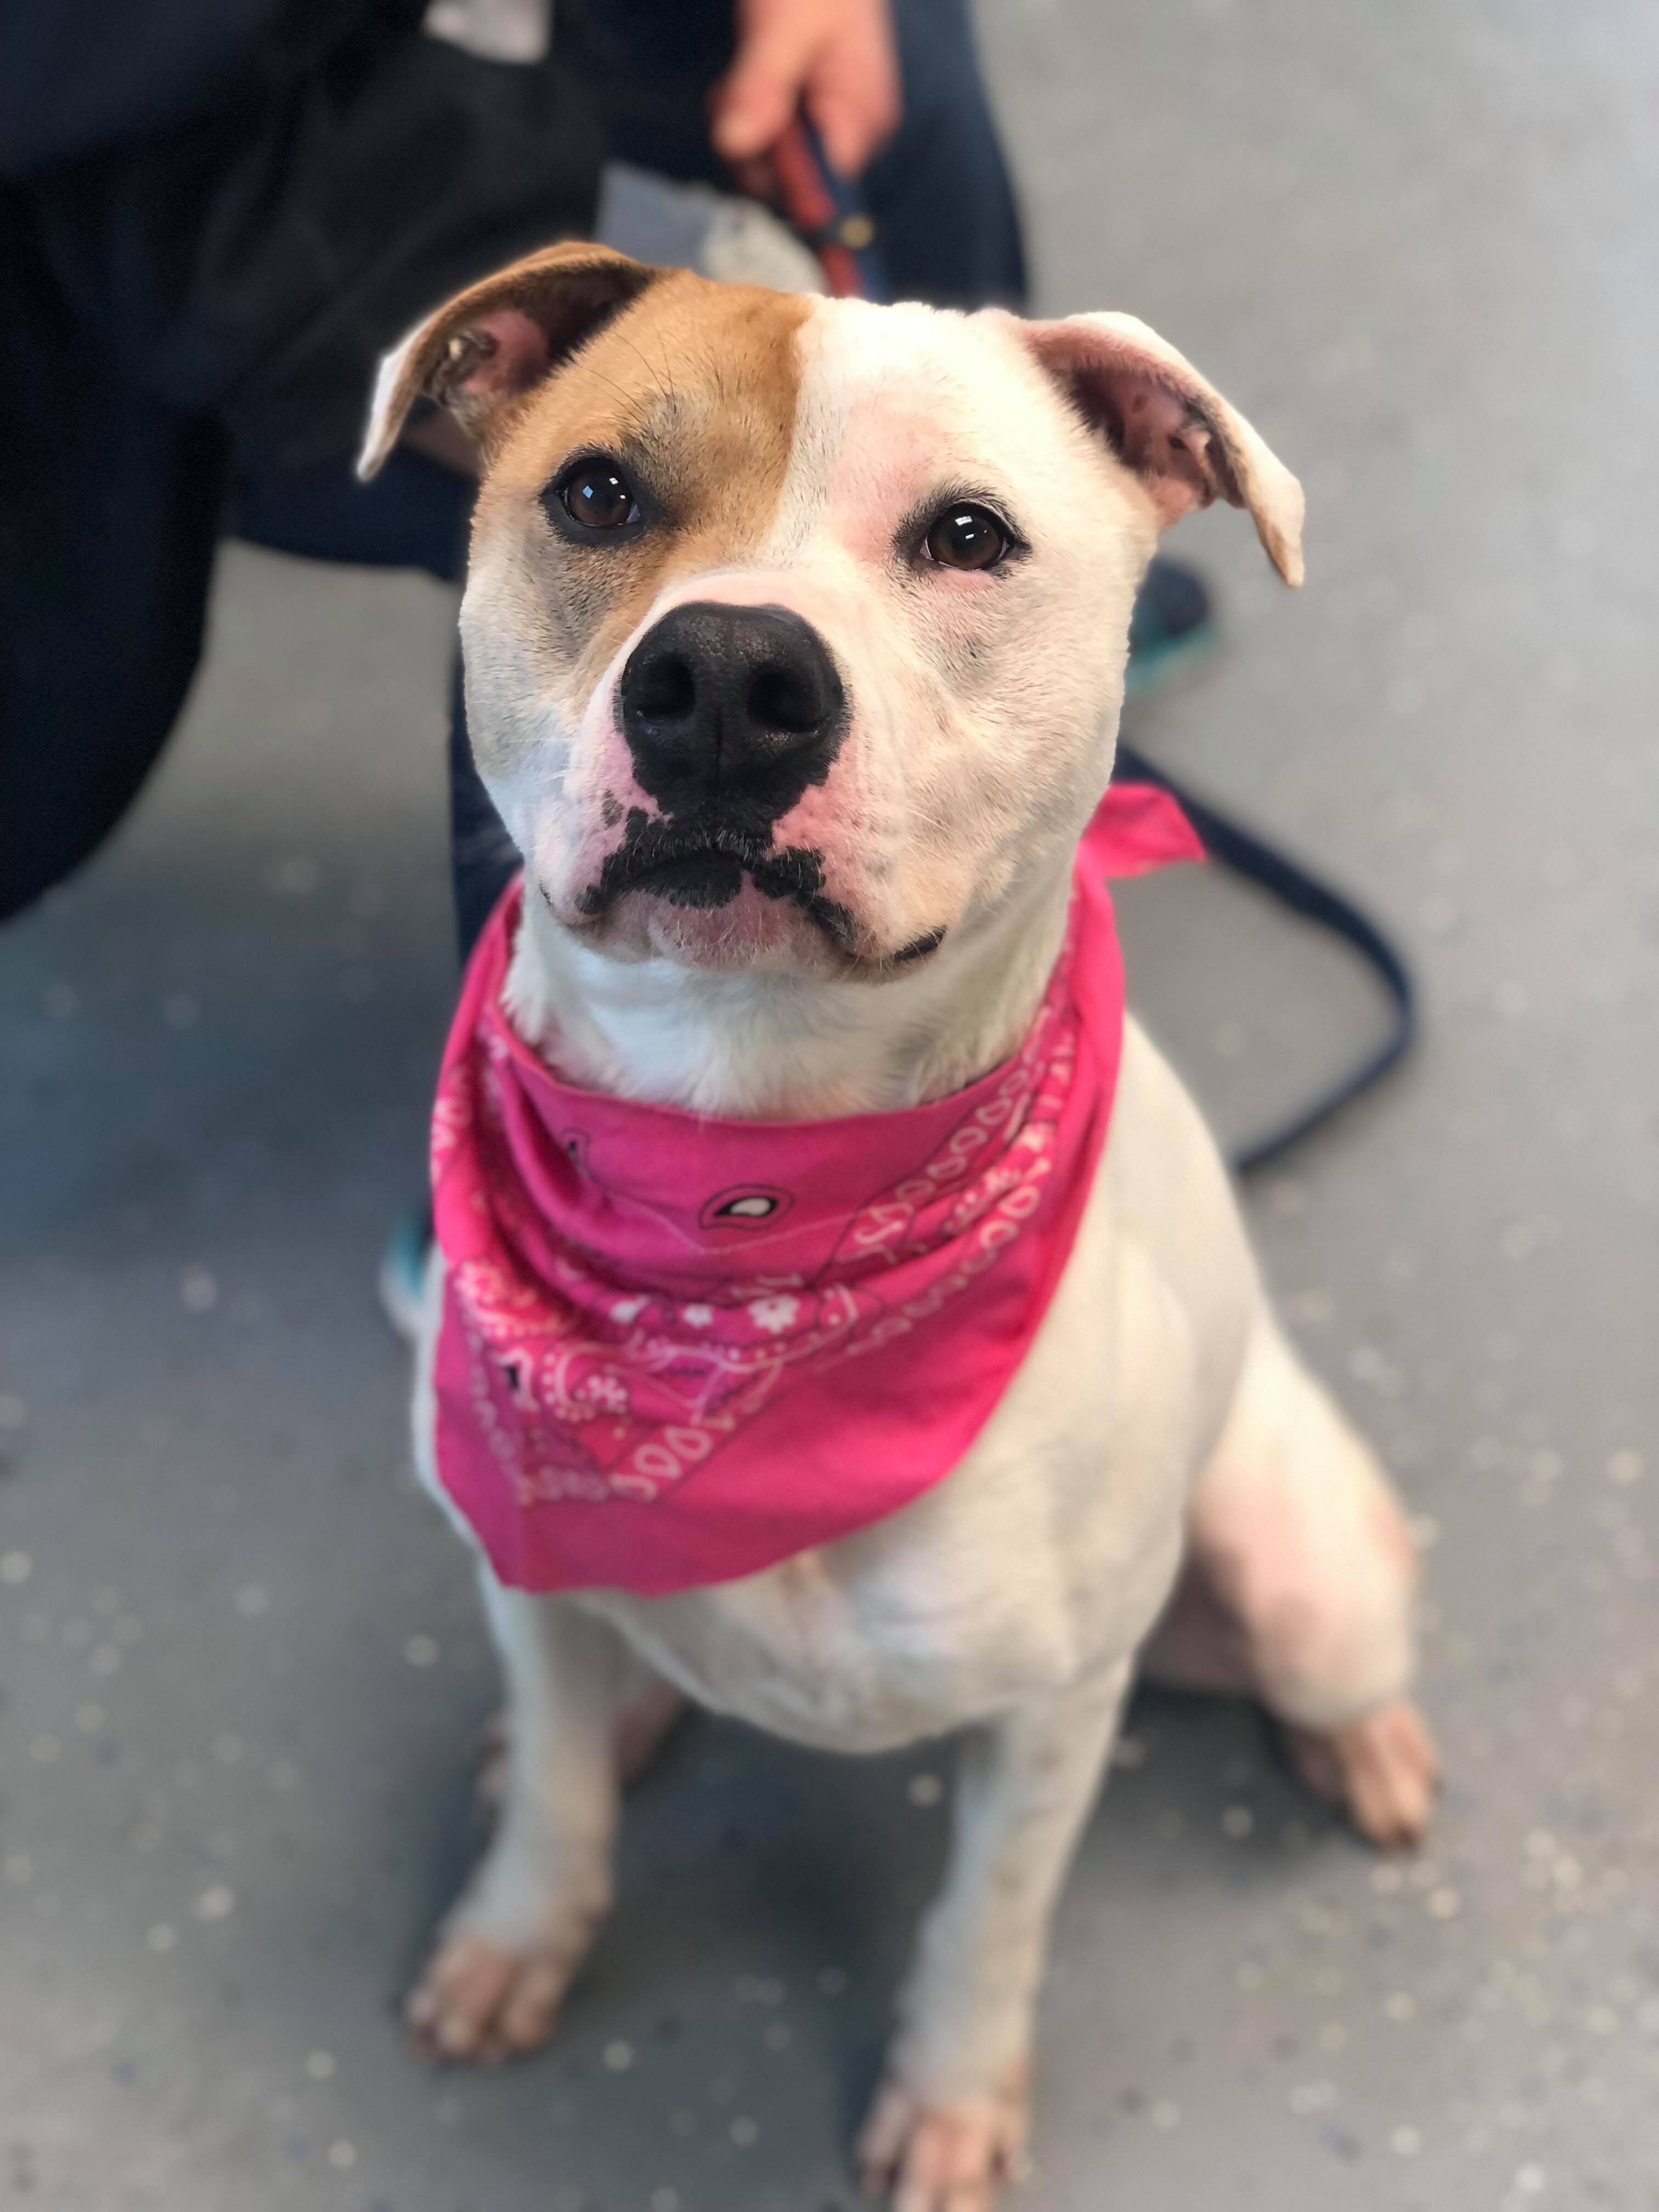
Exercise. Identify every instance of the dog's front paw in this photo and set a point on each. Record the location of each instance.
(945, 2156)
(480, 2001)
(1382, 1771)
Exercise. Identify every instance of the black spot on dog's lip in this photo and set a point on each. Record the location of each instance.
(918, 948)
(611, 810)
(702, 862)
(707, 878)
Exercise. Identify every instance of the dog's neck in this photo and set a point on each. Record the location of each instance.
(779, 1048)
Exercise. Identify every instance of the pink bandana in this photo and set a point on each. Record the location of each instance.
(676, 1350)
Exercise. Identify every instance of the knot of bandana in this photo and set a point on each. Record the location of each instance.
(676, 1349)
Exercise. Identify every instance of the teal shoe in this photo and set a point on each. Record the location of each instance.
(1172, 625)
(401, 1280)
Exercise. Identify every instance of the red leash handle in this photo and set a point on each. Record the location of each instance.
(838, 232)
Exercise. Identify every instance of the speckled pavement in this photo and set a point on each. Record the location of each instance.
(241, 1667)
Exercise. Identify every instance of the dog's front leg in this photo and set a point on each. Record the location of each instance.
(507, 1950)
(948, 2124)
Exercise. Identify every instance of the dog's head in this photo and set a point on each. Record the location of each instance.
(795, 627)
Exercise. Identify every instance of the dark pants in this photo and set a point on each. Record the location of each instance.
(949, 233)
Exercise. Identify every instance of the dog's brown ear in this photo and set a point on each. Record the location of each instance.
(496, 339)
(1175, 430)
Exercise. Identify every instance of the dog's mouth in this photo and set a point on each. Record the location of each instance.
(705, 864)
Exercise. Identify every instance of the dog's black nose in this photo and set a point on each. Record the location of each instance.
(738, 706)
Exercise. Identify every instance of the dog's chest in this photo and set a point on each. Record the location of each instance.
(1048, 1550)
(861, 1656)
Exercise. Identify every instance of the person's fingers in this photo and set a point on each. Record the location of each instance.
(838, 57)
(756, 179)
(777, 41)
(851, 128)
(853, 92)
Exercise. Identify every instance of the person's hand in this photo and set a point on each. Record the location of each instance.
(837, 58)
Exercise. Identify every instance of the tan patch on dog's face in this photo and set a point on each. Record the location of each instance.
(692, 392)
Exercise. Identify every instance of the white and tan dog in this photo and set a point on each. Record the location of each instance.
(958, 510)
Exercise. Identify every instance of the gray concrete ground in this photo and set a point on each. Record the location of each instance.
(241, 1666)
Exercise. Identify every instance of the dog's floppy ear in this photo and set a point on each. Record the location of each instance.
(1175, 430)
(495, 340)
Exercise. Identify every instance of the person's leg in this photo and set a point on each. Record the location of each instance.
(483, 858)
(414, 515)
(941, 193)
(109, 504)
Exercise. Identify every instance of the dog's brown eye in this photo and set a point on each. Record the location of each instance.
(967, 537)
(596, 494)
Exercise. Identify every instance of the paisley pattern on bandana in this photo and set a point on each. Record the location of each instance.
(675, 1349)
